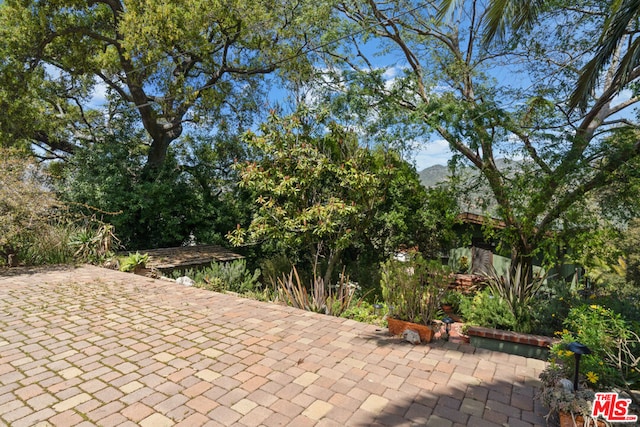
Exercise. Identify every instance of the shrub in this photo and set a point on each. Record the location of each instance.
(453, 298)
(363, 312)
(94, 243)
(31, 228)
(614, 345)
(134, 261)
(48, 245)
(319, 298)
(488, 310)
(551, 308)
(517, 289)
(225, 276)
(415, 288)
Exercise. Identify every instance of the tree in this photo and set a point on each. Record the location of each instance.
(318, 191)
(510, 100)
(618, 38)
(192, 197)
(629, 243)
(178, 64)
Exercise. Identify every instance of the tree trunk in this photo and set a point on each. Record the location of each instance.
(523, 256)
(158, 152)
(334, 255)
(161, 140)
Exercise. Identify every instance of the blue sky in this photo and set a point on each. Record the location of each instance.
(431, 153)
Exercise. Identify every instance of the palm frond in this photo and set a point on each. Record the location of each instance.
(623, 13)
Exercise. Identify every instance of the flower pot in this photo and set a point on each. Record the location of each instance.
(447, 308)
(568, 420)
(397, 327)
(141, 270)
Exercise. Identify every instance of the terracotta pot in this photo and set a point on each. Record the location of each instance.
(567, 420)
(447, 308)
(397, 327)
(141, 270)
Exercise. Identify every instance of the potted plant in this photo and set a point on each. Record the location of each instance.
(463, 265)
(464, 337)
(609, 365)
(451, 301)
(572, 408)
(414, 289)
(136, 263)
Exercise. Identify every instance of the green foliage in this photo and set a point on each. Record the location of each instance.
(33, 229)
(488, 310)
(551, 307)
(453, 298)
(518, 289)
(275, 267)
(134, 261)
(49, 244)
(414, 288)
(319, 297)
(171, 62)
(318, 191)
(94, 244)
(363, 312)
(631, 246)
(615, 347)
(109, 180)
(308, 188)
(231, 276)
(546, 186)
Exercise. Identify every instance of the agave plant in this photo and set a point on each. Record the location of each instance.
(517, 288)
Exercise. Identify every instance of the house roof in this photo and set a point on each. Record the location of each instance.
(188, 256)
(472, 218)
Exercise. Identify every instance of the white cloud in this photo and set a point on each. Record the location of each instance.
(431, 153)
(99, 95)
(623, 96)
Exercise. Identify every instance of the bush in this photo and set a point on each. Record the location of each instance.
(93, 242)
(134, 261)
(225, 276)
(415, 288)
(517, 289)
(551, 308)
(149, 209)
(614, 345)
(485, 309)
(32, 229)
(48, 245)
(318, 297)
(364, 312)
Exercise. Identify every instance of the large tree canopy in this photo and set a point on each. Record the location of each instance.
(177, 63)
(509, 99)
(317, 191)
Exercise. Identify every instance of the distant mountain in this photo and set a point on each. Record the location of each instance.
(433, 175)
(478, 199)
(437, 173)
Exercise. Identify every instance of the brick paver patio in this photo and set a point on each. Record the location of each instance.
(89, 346)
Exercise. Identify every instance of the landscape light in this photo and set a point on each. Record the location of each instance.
(578, 350)
(448, 321)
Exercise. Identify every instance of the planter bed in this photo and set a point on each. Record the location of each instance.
(527, 345)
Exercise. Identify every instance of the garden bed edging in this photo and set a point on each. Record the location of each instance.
(527, 345)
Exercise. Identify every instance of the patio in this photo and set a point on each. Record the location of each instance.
(88, 346)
